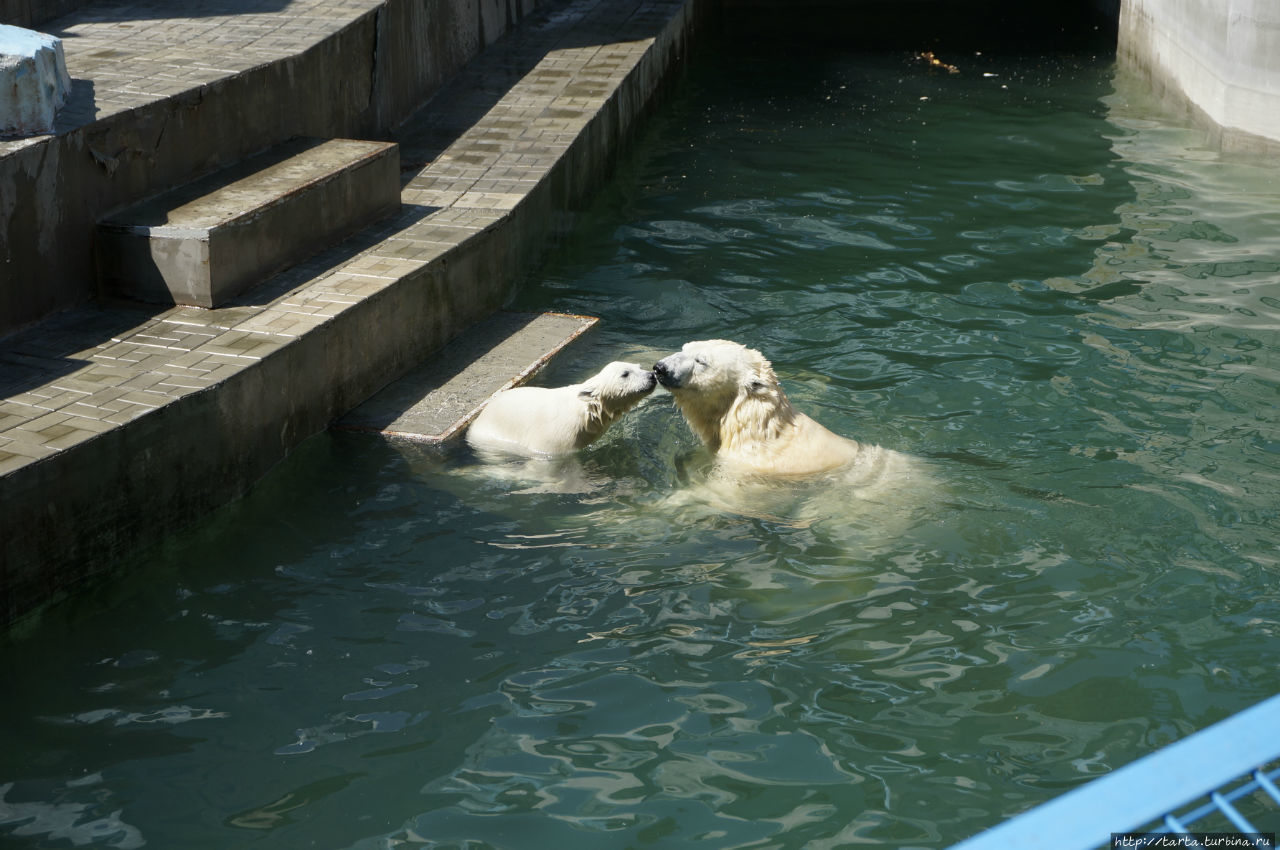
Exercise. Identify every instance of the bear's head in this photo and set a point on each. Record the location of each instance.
(726, 391)
(614, 390)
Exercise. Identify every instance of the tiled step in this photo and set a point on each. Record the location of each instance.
(206, 242)
(437, 401)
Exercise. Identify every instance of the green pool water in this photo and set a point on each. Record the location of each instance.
(1022, 273)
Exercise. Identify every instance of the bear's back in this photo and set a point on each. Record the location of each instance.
(530, 420)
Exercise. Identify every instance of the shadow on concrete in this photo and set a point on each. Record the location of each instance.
(81, 107)
(21, 372)
(146, 10)
(32, 359)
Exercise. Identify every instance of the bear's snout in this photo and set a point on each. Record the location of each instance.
(665, 374)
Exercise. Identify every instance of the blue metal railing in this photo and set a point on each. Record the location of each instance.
(1222, 803)
(1145, 795)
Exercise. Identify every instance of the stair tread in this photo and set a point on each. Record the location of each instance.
(241, 190)
(438, 399)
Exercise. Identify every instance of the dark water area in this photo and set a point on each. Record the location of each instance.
(1018, 271)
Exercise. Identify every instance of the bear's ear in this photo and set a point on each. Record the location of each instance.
(587, 392)
(758, 380)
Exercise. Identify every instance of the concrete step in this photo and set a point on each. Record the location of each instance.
(438, 400)
(206, 242)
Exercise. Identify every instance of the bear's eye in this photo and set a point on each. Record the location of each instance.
(701, 361)
(626, 373)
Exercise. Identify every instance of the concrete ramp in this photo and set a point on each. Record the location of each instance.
(438, 400)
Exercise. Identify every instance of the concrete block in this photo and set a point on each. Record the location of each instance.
(437, 401)
(210, 240)
(33, 81)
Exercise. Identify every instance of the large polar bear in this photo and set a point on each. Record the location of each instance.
(732, 400)
(551, 421)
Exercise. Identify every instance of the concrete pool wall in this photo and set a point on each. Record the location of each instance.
(1218, 60)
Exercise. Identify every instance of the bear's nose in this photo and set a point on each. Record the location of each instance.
(665, 375)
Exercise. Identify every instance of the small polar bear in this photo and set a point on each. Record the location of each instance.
(732, 400)
(552, 421)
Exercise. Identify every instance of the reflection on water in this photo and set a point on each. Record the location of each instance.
(1019, 272)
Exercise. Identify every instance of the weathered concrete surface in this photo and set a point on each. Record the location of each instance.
(1218, 60)
(160, 95)
(209, 240)
(119, 425)
(33, 81)
(437, 400)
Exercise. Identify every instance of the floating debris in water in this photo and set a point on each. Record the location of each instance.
(937, 63)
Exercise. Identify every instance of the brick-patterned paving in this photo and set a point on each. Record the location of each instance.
(478, 148)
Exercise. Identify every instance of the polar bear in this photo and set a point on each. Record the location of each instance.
(551, 421)
(732, 400)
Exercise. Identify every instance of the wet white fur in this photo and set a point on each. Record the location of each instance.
(732, 400)
(549, 421)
